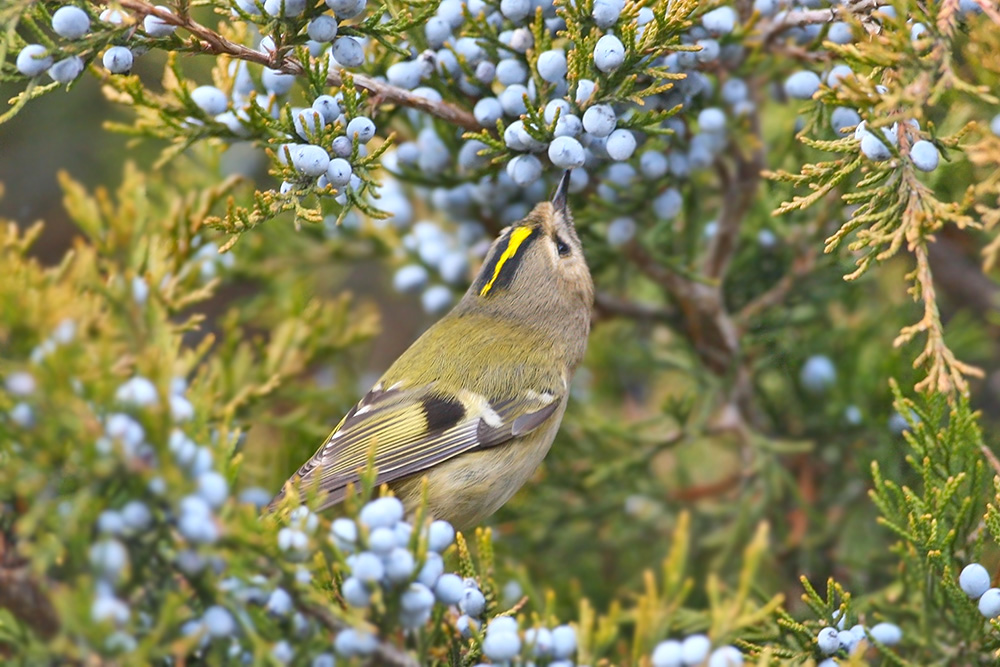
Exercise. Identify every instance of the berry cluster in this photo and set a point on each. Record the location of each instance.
(831, 641)
(695, 650)
(974, 580)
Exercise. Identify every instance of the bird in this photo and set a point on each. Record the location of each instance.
(473, 405)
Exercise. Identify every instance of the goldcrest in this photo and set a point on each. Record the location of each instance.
(474, 404)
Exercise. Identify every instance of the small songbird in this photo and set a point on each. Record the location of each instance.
(474, 404)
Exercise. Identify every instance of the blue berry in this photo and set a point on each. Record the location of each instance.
(284, 7)
(512, 99)
(501, 646)
(515, 10)
(434, 156)
(924, 155)
(802, 85)
(473, 602)
(350, 642)
(118, 60)
(827, 641)
(842, 117)
(989, 603)
(568, 125)
(440, 535)
(557, 106)
(355, 592)
(620, 231)
(848, 640)
(339, 172)
(667, 654)
(435, 299)
(70, 22)
(66, 70)
(136, 515)
(410, 278)
(156, 27)
(107, 607)
(218, 622)
(437, 31)
(552, 65)
(566, 153)
(367, 567)
(837, 74)
(361, 129)
(381, 541)
(995, 125)
(712, 119)
(840, 33)
(399, 565)
(449, 589)
(888, 633)
(488, 111)
(725, 656)
(209, 99)
(310, 160)
(974, 580)
(600, 120)
(818, 374)
(417, 598)
(406, 74)
(584, 91)
(734, 91)
(668, 204)
(109, 558)
(469, 48)
(620, 145)
(276, 81)
(563, 642)
(710, 51)
(609, 53)
(323, 28)
(348, 52)
(694, 649)
(466, 626)
(110, 522)
(213, 488)
(451, 12)
(606, 12)
(524, 169)
(540, 641)
(346, 9)
(138, 391)
(719, 21)
(874, 148)
(653, 164)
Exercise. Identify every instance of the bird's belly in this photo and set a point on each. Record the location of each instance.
(469, 488)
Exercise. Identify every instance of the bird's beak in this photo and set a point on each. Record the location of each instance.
(562, 191)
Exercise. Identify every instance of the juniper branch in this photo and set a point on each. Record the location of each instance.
(213, 43)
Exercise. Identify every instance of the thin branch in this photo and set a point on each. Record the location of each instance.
(775, 296)
(213, 43)
(607, 306)
(385, 653)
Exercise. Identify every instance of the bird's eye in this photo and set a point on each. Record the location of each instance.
(562, 246)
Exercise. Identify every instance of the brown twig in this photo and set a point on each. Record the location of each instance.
(213, 43)
(385, 653)
(23, 596)
(607, 306)
(801, 265)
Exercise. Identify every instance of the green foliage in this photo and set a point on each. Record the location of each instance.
(203, 322)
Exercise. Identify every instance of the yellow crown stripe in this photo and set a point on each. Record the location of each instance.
(517, 237)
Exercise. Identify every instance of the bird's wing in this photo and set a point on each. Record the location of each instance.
(412, 430)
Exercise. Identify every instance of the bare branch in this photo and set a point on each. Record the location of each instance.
(775, 296)
(608, 306)
(385, 654)
(213, 43)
